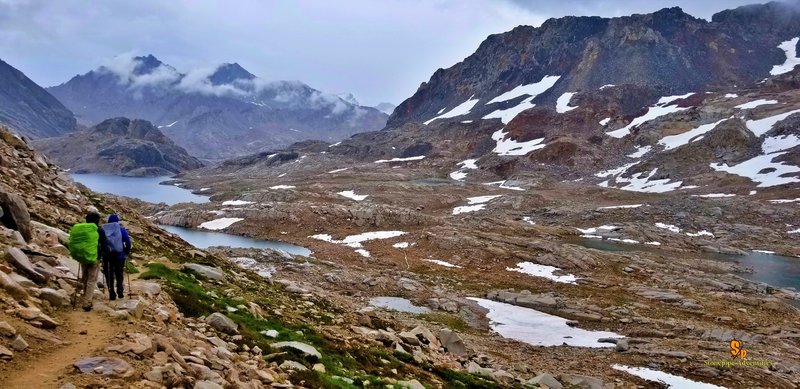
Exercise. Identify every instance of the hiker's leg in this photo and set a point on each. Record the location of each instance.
(108, 278)
(91, 285)
(119, 273)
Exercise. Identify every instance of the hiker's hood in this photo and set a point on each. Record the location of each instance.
(113, 218)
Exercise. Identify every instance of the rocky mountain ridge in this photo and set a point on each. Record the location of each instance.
(664, 53)
(119, 146)
(217, 112)
(29, 109)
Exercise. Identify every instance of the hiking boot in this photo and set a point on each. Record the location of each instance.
(120, 294)
(112, 296)
(87, 308)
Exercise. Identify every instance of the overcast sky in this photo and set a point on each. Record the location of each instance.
(380, 50)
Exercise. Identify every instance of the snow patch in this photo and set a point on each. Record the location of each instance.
(237, 202)
(764, 251)
(640, 151)
(458, 175)
(670, 227)
(675, 141)
(363, 253)
(338, 170)
(669, 380)
(512, 147)
(400, 245)
(660, 109)
(169, 125)
(282, 187)
(535, 89)
(622, 206)
(784, 201)
(562, 104)
(475, 204)
(261, 269)
(461, 109)
(220, 224)
(762, 126)
(416, 158)
(700, 233)
(544, 271)
(352, 195)
(605, 121)
(774, 144)
(538, 328)
(641, 183)
(715, 195)
(442, 263)
(762, 169)
(790, 48)
(756, 103)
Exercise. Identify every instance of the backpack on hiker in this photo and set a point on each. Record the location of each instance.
(83, 241)
(113, 233)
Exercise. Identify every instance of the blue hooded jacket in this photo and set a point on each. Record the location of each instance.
(126, 239)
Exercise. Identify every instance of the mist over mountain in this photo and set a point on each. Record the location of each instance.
(214, 112)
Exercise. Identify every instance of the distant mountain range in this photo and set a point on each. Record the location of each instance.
(216, 112)
(119, 146)
(30, 110)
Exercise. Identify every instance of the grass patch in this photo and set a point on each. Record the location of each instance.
(450, 320)
(455, 379)
(130, 268)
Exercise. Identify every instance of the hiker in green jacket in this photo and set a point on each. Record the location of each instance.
(87, 243)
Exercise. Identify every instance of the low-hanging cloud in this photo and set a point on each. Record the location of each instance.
(124, 66)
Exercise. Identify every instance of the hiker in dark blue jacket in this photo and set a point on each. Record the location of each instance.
(118, 246)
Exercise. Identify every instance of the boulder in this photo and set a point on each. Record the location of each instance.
(476, 369)
(208, 272)
(60, 236)
(15, 214)
(111, 367)
(412, 384)
(453, 342)
(58, 298)
(622, 345)
(292, 365)
(306, 349)
(150, 289)
(20, 261)
(222, 323)
(426, 336)
(5, 353)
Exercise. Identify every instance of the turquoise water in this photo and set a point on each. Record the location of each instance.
(206, 239)
(775, 270)
(142, 188)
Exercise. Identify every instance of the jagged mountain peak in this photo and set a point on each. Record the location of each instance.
(229, 73)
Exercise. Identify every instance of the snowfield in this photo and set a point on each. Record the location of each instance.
(538, 328)
(355, 241)
(533, 90)
(220, 224)
(544, 271)
(282, 187)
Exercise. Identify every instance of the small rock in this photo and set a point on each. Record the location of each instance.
(134, 307)
(5, 353)
(207, 385)
(19, 343)
(622, 345)
(412, 384)
(318, 367)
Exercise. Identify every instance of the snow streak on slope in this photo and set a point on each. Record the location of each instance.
(790, 48)
(512, 147)
(535, 89)
(675, 141)
(660, 109)
(762, 126)
(462, 109)
(756, 103)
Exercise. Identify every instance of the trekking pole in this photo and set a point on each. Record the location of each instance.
(130, 290)
(75, 293)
